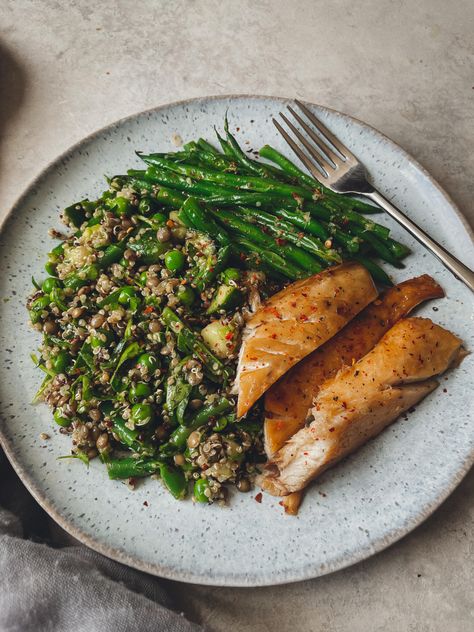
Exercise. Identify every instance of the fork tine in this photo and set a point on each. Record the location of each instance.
(327, 151)
(325, 133)
(301, 154)
(315, 155)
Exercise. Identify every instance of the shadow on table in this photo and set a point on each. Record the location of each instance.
(13, 83)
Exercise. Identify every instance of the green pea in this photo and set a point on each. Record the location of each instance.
(145, 206)
(148, 361)
(50, 268)
(141, 414)
(174, 260)
(122, 205)
(200, 486)
(126, 294)
(49, 284)
(60, 362)
(159, 218)
(142, 278)
(139, 391)
(230, 274)
(60, 420)
(186, 295)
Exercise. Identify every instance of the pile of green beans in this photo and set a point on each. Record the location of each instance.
(277, 214)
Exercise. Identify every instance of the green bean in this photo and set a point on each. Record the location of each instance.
(203, 144)
(130, 437)
(284, 163)
(296, 255)
(400, 251)
(382, 250)
(76, 280)
(209, 273)
(285, 230)
(112, 254)
(203, 221)
(252, 183)
(376, 271)
(174, 480)
(132, 468)
(303, 221)
(225, 145)
(348, 242)
(167, 197)
(242, 159)
(213, 364)
(205, 415)
(271, 260)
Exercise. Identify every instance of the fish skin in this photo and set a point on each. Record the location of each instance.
(294, 322)
(287, 402)
(361, 400)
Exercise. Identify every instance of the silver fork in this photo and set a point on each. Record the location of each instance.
(334, 166)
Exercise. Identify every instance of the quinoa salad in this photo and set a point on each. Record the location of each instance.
(148, 293)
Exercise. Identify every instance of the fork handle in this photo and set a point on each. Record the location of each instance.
(460, 271)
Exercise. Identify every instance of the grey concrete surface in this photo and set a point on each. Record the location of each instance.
(405, 67)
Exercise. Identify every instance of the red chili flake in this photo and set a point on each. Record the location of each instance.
(170, 223)
(273, 336)
(258, 497)
(280, 242)
(274, 311)
(229, 336)
(293, 304)
(304, 294)
(149, 309)
(306, 453)
(303, 317)
(331, 429)
(132, 482)
(237, 129)
(343, 404)
(145, 503)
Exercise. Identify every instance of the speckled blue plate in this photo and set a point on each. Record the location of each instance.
(356, 509)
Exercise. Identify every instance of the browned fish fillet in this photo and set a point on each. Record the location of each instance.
(362, 399)
(287, 402)
(294, 322)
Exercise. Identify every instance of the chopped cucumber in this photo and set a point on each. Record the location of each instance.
(226, 297)
(219, 338)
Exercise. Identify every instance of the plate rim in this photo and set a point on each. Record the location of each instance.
(310, 571)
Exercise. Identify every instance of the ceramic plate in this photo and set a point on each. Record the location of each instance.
(356, 509)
